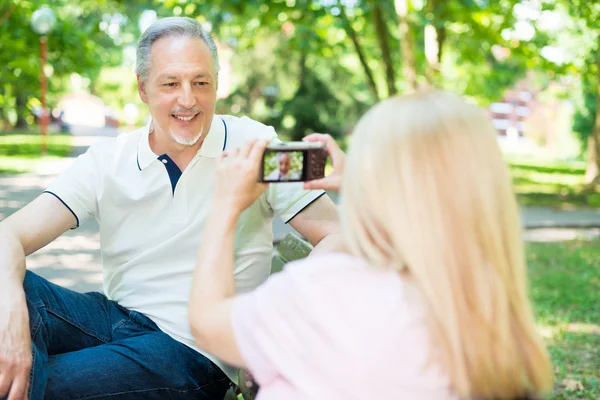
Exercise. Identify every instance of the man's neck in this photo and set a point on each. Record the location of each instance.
(180, 154)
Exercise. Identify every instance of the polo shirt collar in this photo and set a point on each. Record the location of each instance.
(213, 144)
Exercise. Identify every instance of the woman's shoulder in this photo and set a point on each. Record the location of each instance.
(347, 300)
(339, 267)
(337, 281)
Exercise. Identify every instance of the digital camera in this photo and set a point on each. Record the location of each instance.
(293, 162)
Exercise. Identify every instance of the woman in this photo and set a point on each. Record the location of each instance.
(431, 300)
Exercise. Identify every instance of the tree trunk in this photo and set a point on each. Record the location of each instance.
(302, 69)
(592, 173)
(6, 14)
(406, 44)
(435, 37)
(21, 108)
(386, 55)
(441, 37)
(3, 120)
(361, 56)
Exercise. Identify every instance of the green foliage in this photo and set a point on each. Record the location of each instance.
(579, 37)
(88, 35)
(583, 121)
(301, 49)
(293, 65)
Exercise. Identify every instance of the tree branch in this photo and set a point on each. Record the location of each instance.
(406, 43)
(6, 15)
(361, 56)
(382, 37)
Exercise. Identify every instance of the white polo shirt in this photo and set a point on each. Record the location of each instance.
(152, 217)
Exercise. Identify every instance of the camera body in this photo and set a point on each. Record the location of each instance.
(293, 162)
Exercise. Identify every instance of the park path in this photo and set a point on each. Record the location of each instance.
(73, 260)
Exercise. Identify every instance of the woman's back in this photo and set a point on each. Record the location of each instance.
(427, 197)
(333, 327)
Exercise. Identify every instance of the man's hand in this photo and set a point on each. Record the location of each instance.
(236, 181)
(15, 346)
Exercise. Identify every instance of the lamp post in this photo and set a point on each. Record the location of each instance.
(42, 22)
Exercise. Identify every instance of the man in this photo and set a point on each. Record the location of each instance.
(283, 172)
(150, 190)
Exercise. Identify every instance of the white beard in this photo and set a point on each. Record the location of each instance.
(187, 142)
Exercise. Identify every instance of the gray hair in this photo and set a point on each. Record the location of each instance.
(171, 26)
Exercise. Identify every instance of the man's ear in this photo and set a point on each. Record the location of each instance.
(142, 89)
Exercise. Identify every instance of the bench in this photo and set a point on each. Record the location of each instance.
(290, 248)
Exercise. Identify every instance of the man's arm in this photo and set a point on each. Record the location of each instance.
(319, 224)
(21, 234)
(30, 229)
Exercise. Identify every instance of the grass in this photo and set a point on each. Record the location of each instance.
(21, 151)
(551, 184)
(565, 279)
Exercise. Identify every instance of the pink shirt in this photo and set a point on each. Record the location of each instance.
(332, 327)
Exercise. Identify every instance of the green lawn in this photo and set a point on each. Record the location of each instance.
(565, 280)
(551, 184)
(21, 152)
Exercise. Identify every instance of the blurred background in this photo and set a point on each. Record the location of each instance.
(315, 66)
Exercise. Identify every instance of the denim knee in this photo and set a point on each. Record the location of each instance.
(31, 286)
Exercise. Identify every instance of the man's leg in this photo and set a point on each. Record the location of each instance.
(61, 321)
(145, 365)
(83, 342)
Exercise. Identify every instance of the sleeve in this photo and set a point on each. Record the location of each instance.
(77, 187)
(268, 328)
(288, 199)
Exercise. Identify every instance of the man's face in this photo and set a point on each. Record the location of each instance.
(284, 164)
(181, 89)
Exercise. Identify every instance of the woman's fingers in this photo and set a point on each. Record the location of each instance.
(258, 149)
(247, 148)
(333, 181)
(331, 145)
(327, 183)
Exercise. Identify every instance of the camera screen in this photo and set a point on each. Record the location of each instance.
(283, 166)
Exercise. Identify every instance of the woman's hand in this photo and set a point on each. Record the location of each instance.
(236, 180)
(334, 180)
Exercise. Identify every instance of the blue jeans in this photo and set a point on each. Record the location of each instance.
(88, 347)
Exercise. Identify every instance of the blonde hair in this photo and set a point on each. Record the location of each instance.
(426, 191)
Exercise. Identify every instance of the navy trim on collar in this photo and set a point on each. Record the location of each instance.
(224, 140)
(172, 169)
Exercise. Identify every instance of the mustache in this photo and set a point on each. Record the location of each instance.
(186, 111)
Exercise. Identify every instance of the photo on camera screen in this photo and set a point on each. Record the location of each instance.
(283, 166)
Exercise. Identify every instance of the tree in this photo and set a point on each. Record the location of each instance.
(407, 43)
(77, 44)
(578, 40)
(593, 165)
